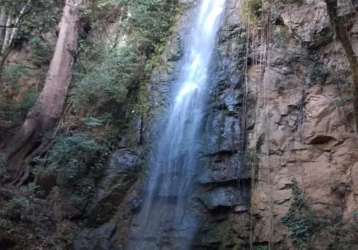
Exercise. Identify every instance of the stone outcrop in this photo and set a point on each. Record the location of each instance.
(120, 176)
(119, 195)
(303, 131)
(224, 177)
(299, 134)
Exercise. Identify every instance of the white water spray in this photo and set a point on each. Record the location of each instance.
(164, 220)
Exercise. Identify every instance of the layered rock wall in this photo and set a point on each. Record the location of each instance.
(303, 131)
(294, 184)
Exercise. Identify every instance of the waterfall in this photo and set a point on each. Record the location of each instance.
(165, 222)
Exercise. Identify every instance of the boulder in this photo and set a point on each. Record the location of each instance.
(309, 23)
(223, 197)
(119, 177)
(223, 168)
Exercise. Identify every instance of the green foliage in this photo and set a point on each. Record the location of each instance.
(26, 220)
(151, 19)
(261, 247)
(93, 122)
(14, 111)
(40, 16)
(104, 85)
(307, 229)
(28, 100)
(281, 35)
(300, 219)
(13, 73)
(18, 207)
(41, 51)
(344, 101)
(74, 156)
(251, 11)
(319, 74)
(251, 159)
(343, 233)
(109, 77)
(78, 162)
(355, 215)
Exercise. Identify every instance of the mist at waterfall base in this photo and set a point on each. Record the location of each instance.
(166, 220)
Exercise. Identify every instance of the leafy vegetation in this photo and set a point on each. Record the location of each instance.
(150, 20)
(13, 103)
(37, 19)
(110, 76)
(40, 16)
(251, 11)
(300, 219)
(41, 51)
(103, 84)
(26, 221)
(307, 228)
(261, 247)
(73, 157)
(13, 73)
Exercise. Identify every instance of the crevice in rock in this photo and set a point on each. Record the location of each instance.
(6, 243)
(322, 139)
(339, 24)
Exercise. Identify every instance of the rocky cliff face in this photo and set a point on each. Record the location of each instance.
(222, 196)
(301, 133)
(280, 162)
(279, 165)
(225, 179)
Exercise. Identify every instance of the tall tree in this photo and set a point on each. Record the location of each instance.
(49, 106)
(343, 36)
(9, 25)
(20, 19)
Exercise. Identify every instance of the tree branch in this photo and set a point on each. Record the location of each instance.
(8, 27)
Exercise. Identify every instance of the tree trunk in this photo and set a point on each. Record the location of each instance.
(2, 25)
(6, 40)
(8, 30)
(46, 112)
(343, 36)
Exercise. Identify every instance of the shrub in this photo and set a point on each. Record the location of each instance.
(40, 17)
(261, 247)
(104, 86)
(77, 161)
(41, 51)
(300, 219)
(76, 155)
(14, 111)
(19, 207)
(151, 19)
(93, 122)
(13, 73)
(251, 11)
(109, 77)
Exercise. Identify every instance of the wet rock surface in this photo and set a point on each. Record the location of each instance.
(119, 177)
(96, 239)
(224, 177)
(299, 127)
(225, 197)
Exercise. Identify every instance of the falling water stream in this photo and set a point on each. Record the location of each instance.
(165, 220)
